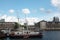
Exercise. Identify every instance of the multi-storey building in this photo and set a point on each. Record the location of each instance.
(55, 19)
(55, 24)
(5, 25)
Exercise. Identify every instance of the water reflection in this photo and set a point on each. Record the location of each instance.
(48, 35)
(27, 39)
(2, 38)
(19, 39)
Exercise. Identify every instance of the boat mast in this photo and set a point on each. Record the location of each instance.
(26, 22)
(17, 18)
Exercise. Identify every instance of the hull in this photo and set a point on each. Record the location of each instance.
(26, 36)
(2, 35)
(36, 36)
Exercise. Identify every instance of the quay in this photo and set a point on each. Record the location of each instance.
(52, 29)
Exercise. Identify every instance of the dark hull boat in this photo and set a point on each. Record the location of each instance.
(2, 35)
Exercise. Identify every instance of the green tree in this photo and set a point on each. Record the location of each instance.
(23, 26)
(16, 25)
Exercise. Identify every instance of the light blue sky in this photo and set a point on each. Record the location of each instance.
(42, 9)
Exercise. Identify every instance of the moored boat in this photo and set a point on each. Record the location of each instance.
(2, 34)
(25, 35)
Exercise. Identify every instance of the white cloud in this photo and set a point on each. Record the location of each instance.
(31, 21)
(56, 3)
(9, 18)
(53, 14)
(26, 11)
(45, 11)
(3, 17)
(11, 11)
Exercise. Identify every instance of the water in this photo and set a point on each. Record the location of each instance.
(47, 35)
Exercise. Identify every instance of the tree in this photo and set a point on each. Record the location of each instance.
(16, 25)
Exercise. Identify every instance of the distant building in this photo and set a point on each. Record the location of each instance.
(53, 24)
(43, 24)
(2, 20)
(31, 27)
(7, 25)
(55, 19)
(50, 24)
(37, 26)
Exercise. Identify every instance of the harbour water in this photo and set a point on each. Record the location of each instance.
(47, 35)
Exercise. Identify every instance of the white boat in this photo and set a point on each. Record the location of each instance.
(26, 34)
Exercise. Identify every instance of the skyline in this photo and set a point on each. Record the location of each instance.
(36, 10)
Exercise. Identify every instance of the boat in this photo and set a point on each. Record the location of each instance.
(25, 34)
(2, 34)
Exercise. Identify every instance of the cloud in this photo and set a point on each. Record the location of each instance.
(31, 21)
(9, 18)
(53, 14)
(3, 17)
(11, 11)
(56, 3)
(43, 10)
(26, 10)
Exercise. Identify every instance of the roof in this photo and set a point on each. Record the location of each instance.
(43, 21)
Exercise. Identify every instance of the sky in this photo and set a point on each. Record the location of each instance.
(34, 10)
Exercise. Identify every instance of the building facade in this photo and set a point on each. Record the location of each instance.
(55, 24)
(43, 24)
(55, 19)
(5, 25)
(2, 20)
